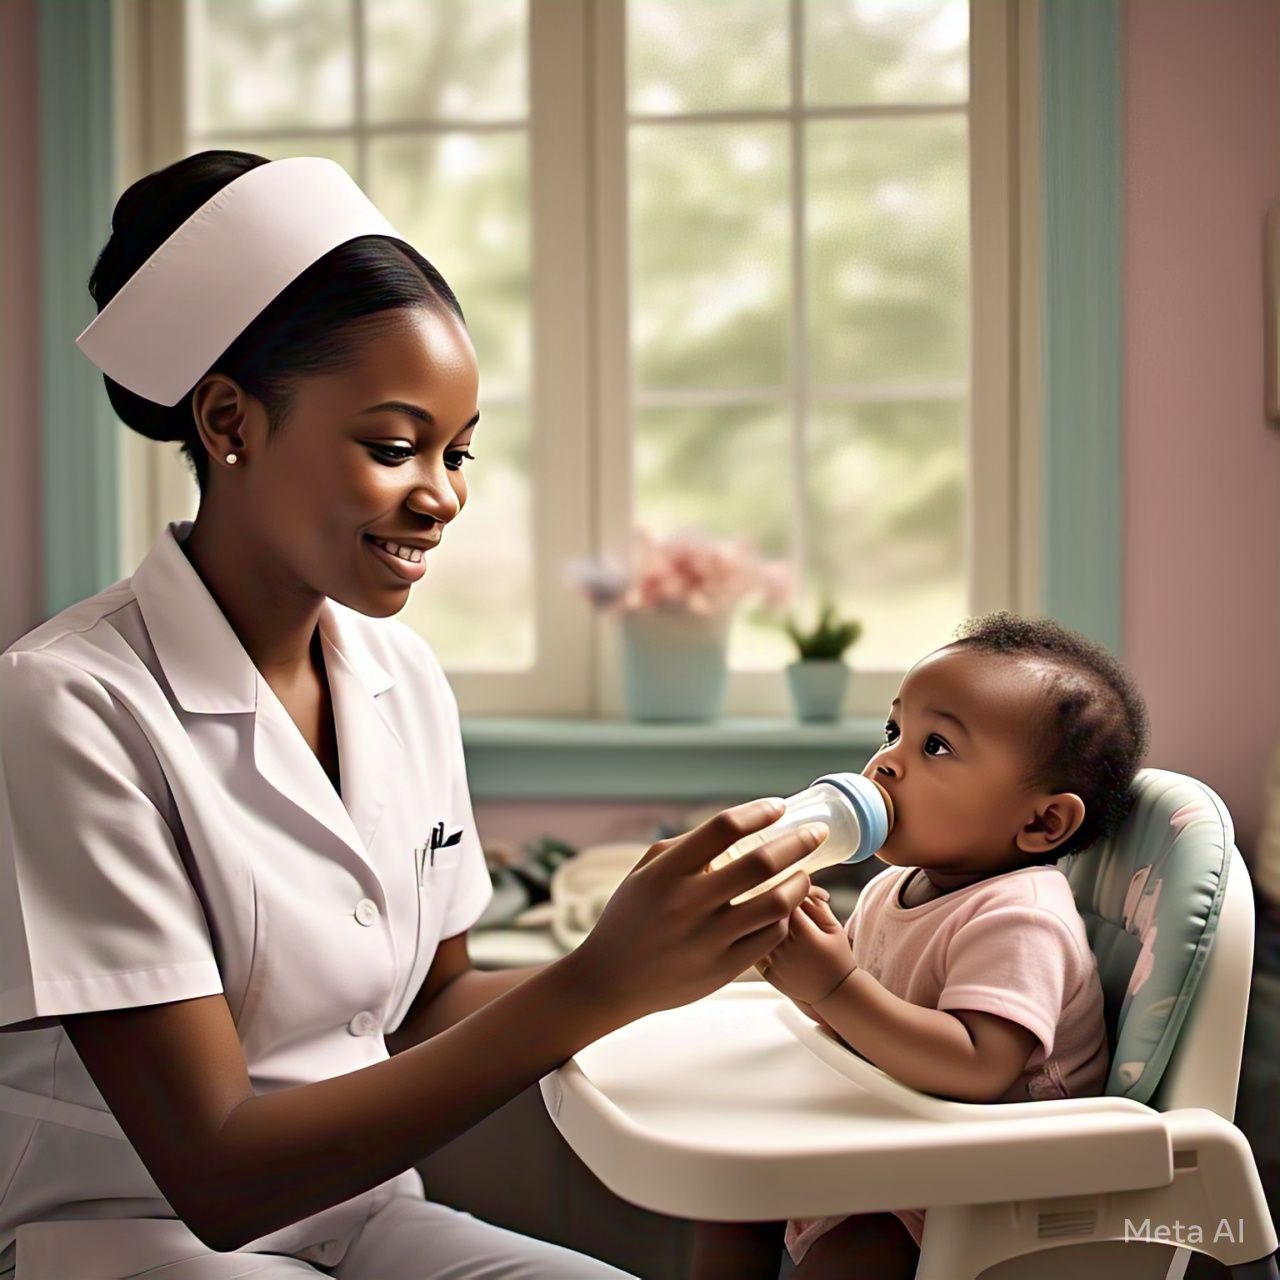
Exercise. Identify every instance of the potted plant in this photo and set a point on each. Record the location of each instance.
(819, 677)
(674, 603)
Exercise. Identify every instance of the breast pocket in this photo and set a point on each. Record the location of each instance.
(437, 859)
(437, 862)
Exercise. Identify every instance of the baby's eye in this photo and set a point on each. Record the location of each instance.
(890, 728)
(933, 737)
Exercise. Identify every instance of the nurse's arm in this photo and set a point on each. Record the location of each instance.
(451, 990)
(236, 1165)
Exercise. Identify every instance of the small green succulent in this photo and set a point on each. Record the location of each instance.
(828, 639)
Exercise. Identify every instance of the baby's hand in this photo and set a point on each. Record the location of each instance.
(817, 904)
(816, 956)
(819, 896)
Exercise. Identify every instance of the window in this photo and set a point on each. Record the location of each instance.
(717, 258)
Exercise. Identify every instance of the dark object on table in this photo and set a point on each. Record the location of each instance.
(522, 879)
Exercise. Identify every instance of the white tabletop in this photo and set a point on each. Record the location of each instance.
(719, 1110)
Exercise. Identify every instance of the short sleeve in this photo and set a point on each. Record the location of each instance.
(96, 908)
(472, 887)
(1015, 962)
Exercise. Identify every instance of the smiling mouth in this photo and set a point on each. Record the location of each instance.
(412, 554)
(407, 562)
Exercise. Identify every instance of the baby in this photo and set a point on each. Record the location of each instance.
(965, 970)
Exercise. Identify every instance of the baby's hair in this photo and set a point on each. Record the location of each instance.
(1091, 735)
(306, 328)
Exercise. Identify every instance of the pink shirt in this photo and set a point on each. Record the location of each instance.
(1012, 945)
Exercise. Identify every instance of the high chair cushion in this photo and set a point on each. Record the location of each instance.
(1151, 895)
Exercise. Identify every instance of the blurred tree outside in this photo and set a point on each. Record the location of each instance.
(885, 300)
(879, 143)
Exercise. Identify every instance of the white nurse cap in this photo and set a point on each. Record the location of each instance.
(200, 289)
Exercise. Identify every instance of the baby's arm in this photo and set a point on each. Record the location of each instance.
(966, 1054)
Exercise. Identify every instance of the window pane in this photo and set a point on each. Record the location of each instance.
(282, 147)
(450, 59)
(706, 55)
(888, 230)
(710, 269)
(269, 64)
(475, 604)
(887, 527)
(461, 199)
(726, 472)
(882, 51)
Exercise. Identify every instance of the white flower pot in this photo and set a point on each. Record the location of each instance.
(674, 664)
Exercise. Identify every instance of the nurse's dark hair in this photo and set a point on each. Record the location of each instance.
(1091, 733)
(304, 329)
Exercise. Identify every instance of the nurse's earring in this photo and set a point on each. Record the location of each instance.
(232, 459)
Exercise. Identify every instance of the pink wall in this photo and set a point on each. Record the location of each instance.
(21, 570)
(1202, 465)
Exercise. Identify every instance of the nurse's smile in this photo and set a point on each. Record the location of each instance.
(403, 558)
(370, 453)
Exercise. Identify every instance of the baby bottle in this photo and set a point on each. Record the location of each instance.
(857, 812)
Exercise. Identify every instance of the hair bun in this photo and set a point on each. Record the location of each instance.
(153, 208)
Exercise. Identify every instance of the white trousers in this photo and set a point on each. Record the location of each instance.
(406, 1238)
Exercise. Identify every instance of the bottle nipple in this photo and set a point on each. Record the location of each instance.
(888, 801)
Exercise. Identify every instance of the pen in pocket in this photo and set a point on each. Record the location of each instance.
(427, 853)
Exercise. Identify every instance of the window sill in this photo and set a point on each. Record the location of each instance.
(729, 759)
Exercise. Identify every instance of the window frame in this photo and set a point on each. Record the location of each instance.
(1003, 536)
(579, 326)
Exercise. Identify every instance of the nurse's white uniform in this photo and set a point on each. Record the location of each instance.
(166, 833)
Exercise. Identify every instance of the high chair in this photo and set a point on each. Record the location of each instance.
(738, 1108)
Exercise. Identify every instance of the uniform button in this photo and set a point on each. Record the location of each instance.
(363, 1024)
(366, 911)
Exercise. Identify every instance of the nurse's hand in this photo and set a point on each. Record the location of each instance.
(669, 935)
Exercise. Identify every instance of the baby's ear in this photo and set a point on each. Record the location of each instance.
(1056, 818)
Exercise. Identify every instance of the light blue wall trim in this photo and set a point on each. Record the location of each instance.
(81, 472)
(1081, 142)
(608, 760)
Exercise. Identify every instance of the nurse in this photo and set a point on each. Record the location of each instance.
(237, 856)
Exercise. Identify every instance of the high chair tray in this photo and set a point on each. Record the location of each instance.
(731, 1108)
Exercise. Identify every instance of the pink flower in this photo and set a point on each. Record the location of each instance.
(776, 584)
(603, 582)
(689, 571)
